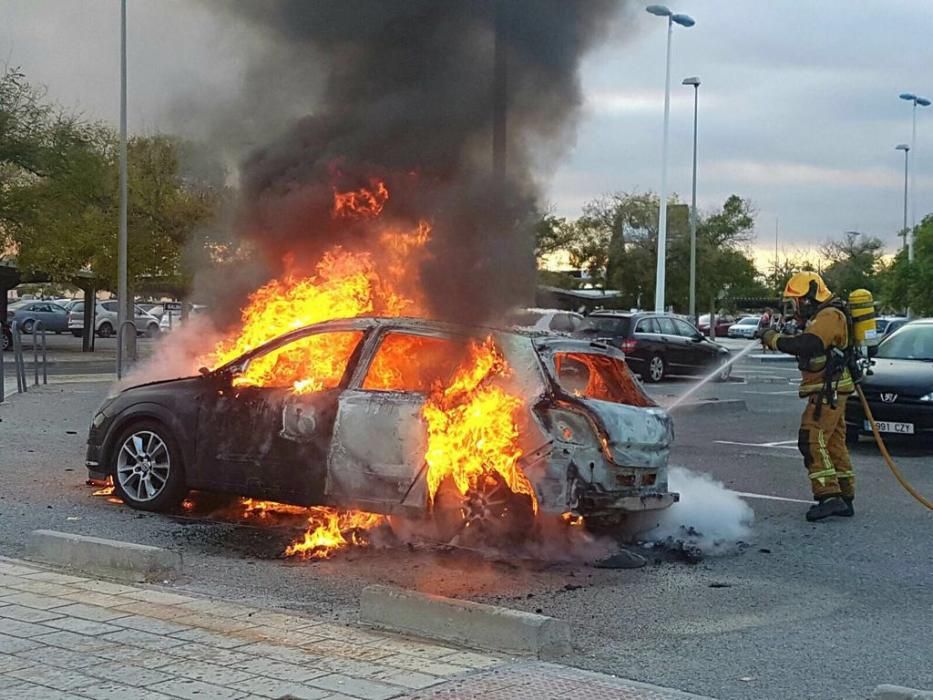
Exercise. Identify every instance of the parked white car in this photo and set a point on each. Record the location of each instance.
(745, 327)
(553, 320)
(105, 323)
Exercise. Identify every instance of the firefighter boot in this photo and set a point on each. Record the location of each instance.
(825, 507)
(850, 508)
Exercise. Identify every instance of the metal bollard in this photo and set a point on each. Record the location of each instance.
(45, 358)
(18, 362)
(123, 326)
(2, 374)
(35, 350)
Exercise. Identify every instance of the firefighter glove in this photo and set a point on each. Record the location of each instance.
(769, 339)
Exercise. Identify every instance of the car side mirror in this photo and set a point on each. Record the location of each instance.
(873, 350)
(698, 338)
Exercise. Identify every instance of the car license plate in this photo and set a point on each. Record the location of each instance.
(889, 427)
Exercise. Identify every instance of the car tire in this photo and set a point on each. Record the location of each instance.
(493, 515)
(147, 467)
(152, 330)
(77, 334)
(656, 369)
(7, 340)
(105, 330)
(28, 326)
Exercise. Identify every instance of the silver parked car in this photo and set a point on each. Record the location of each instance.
(105, 323)
(54, 318)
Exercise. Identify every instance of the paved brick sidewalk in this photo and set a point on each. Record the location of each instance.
(66, 636)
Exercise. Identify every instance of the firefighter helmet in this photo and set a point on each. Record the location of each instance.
(807, 284)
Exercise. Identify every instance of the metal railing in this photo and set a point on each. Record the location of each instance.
(19, 364)
(19, 359)
(121, 344)
(37, 327)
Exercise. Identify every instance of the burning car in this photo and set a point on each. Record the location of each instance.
(401, 417)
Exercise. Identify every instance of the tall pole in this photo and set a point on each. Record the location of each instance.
(913, 188)
(122, 293)
(499, 94)
(662, 215)
(693, 212)
(906, 169)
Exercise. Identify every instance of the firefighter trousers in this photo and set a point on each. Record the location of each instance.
(822, 442)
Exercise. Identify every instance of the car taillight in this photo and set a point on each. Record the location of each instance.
(628, 345)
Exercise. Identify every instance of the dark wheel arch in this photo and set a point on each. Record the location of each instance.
(186, 438)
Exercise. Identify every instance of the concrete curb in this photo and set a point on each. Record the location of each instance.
(896, 692)
(471, 624)
(723, 406)
(93, 555)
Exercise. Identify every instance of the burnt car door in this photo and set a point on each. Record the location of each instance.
(265, 427)
(379, 437)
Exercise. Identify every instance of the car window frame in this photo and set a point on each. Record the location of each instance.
(693, 332)
(239, 366)
(653, 323)
(366, 362)
(660, 321)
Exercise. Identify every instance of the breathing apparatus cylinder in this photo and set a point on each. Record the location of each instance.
(862, 310)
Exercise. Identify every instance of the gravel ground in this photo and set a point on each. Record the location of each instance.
(798, 611)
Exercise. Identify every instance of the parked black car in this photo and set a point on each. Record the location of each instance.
(657, 344)
(900, 388)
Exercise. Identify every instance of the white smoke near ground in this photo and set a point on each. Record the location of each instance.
(179, 353)
(709, 517)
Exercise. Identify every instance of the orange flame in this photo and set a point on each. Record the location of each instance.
(472, 431)
(344, 284)
(362, 203)
(331, 530)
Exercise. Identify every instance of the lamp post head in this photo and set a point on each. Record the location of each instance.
(902, 147)
(922, 101)
(683, 20)
(909, 96)
(693, 80)
(659, 10)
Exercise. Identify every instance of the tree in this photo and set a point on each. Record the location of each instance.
(910, 285)
(615, 241)
(854, 261)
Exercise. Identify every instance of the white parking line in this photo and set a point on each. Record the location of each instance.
(772, 393)
(779, 445)
(769, 498)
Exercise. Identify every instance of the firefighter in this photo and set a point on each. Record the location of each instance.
(826, 384)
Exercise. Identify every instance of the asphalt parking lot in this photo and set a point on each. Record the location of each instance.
(793, 610)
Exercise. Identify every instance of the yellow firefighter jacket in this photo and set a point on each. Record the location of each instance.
(829, 328)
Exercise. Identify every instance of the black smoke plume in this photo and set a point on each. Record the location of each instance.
(403, 90)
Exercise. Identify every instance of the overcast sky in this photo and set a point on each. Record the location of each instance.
(798, 103)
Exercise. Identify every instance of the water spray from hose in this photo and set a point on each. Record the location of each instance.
(718, 372)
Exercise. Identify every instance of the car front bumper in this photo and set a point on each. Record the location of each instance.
(917, 413)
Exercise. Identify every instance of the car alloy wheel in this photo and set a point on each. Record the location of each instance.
(6, 340)
(656, 369)
(489, 514)
(105, 330)
(28, 326)
(147, 469)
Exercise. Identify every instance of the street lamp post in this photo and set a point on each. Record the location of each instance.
(923, 102)
(124, 304)
(695, 82)
(684, 21)
(904, 147)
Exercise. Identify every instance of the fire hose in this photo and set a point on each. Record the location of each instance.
(887, 455)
